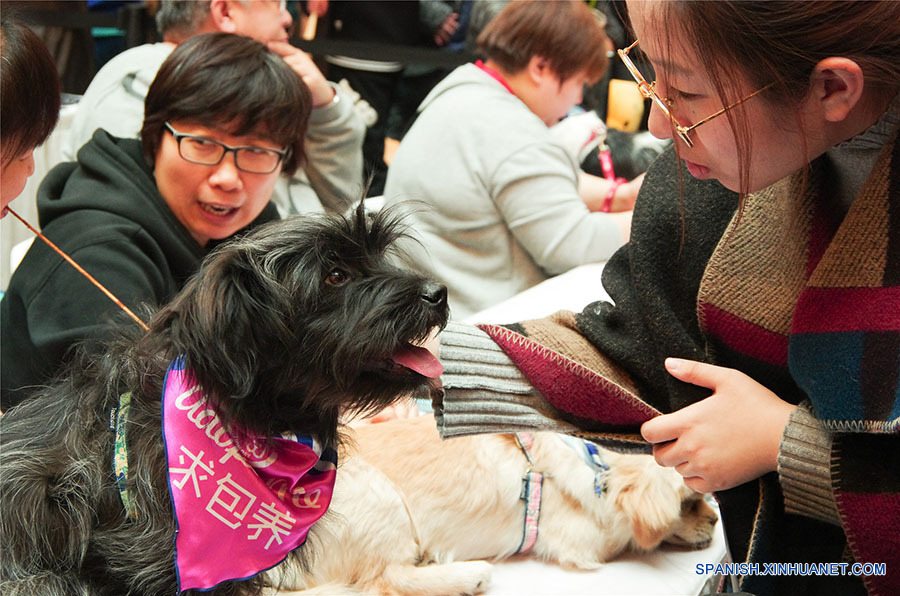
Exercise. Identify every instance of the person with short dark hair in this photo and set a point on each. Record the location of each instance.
(29, 106)
(494, 199)
(224, 118)
(332, 177)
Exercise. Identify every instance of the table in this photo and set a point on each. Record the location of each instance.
(572, 290)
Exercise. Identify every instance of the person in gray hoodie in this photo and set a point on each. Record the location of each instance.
(493, 200)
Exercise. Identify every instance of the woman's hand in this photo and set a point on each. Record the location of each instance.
(725, 440)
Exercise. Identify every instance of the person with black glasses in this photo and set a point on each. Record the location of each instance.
(224, 118)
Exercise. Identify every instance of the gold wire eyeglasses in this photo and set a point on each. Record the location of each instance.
(648, 90)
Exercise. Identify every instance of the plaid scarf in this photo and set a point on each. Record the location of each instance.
(807, 306)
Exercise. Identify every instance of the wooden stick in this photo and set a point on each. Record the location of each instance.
(81, 270)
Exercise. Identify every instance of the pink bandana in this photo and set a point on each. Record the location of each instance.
(241, 503)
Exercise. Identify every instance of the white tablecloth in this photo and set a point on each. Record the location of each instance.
(572, 290)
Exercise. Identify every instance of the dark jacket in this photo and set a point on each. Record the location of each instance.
(106, 213)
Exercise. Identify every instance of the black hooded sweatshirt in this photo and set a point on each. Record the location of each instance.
(105, 212)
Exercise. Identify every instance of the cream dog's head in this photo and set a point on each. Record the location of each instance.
(598, 505)
(656, 505)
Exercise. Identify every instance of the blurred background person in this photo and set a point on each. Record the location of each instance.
(493, 198)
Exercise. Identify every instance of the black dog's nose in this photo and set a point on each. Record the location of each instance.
(434, 293)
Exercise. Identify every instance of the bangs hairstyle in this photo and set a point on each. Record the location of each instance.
(231, 83)
(566, 33)
(779, 42)
(29, 85)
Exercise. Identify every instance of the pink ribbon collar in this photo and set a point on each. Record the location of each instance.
(242, 503)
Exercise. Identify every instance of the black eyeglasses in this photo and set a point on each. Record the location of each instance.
(209, 152)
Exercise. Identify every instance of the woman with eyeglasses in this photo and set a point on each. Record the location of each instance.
(754, 343)
(223, 118)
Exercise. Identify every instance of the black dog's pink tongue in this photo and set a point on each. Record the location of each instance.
(418, 359)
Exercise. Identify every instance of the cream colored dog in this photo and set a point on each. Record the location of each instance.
(413, 514)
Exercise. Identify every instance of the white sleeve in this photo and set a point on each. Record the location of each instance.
(334, 153)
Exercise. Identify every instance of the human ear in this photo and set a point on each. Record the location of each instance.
(837, 84)
(221, 12)
(538, 68)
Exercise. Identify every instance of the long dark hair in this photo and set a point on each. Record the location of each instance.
(29, 85)
(230, 82)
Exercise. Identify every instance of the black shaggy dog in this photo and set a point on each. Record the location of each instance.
(286, 329)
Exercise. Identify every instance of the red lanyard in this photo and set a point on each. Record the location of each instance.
(606, 163)
(606, 166)
(495, 75)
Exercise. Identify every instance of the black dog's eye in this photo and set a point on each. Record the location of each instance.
(337, 278)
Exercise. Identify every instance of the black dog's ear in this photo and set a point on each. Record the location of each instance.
(229, 316)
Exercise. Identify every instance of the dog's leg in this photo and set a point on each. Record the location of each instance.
(467, 577)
